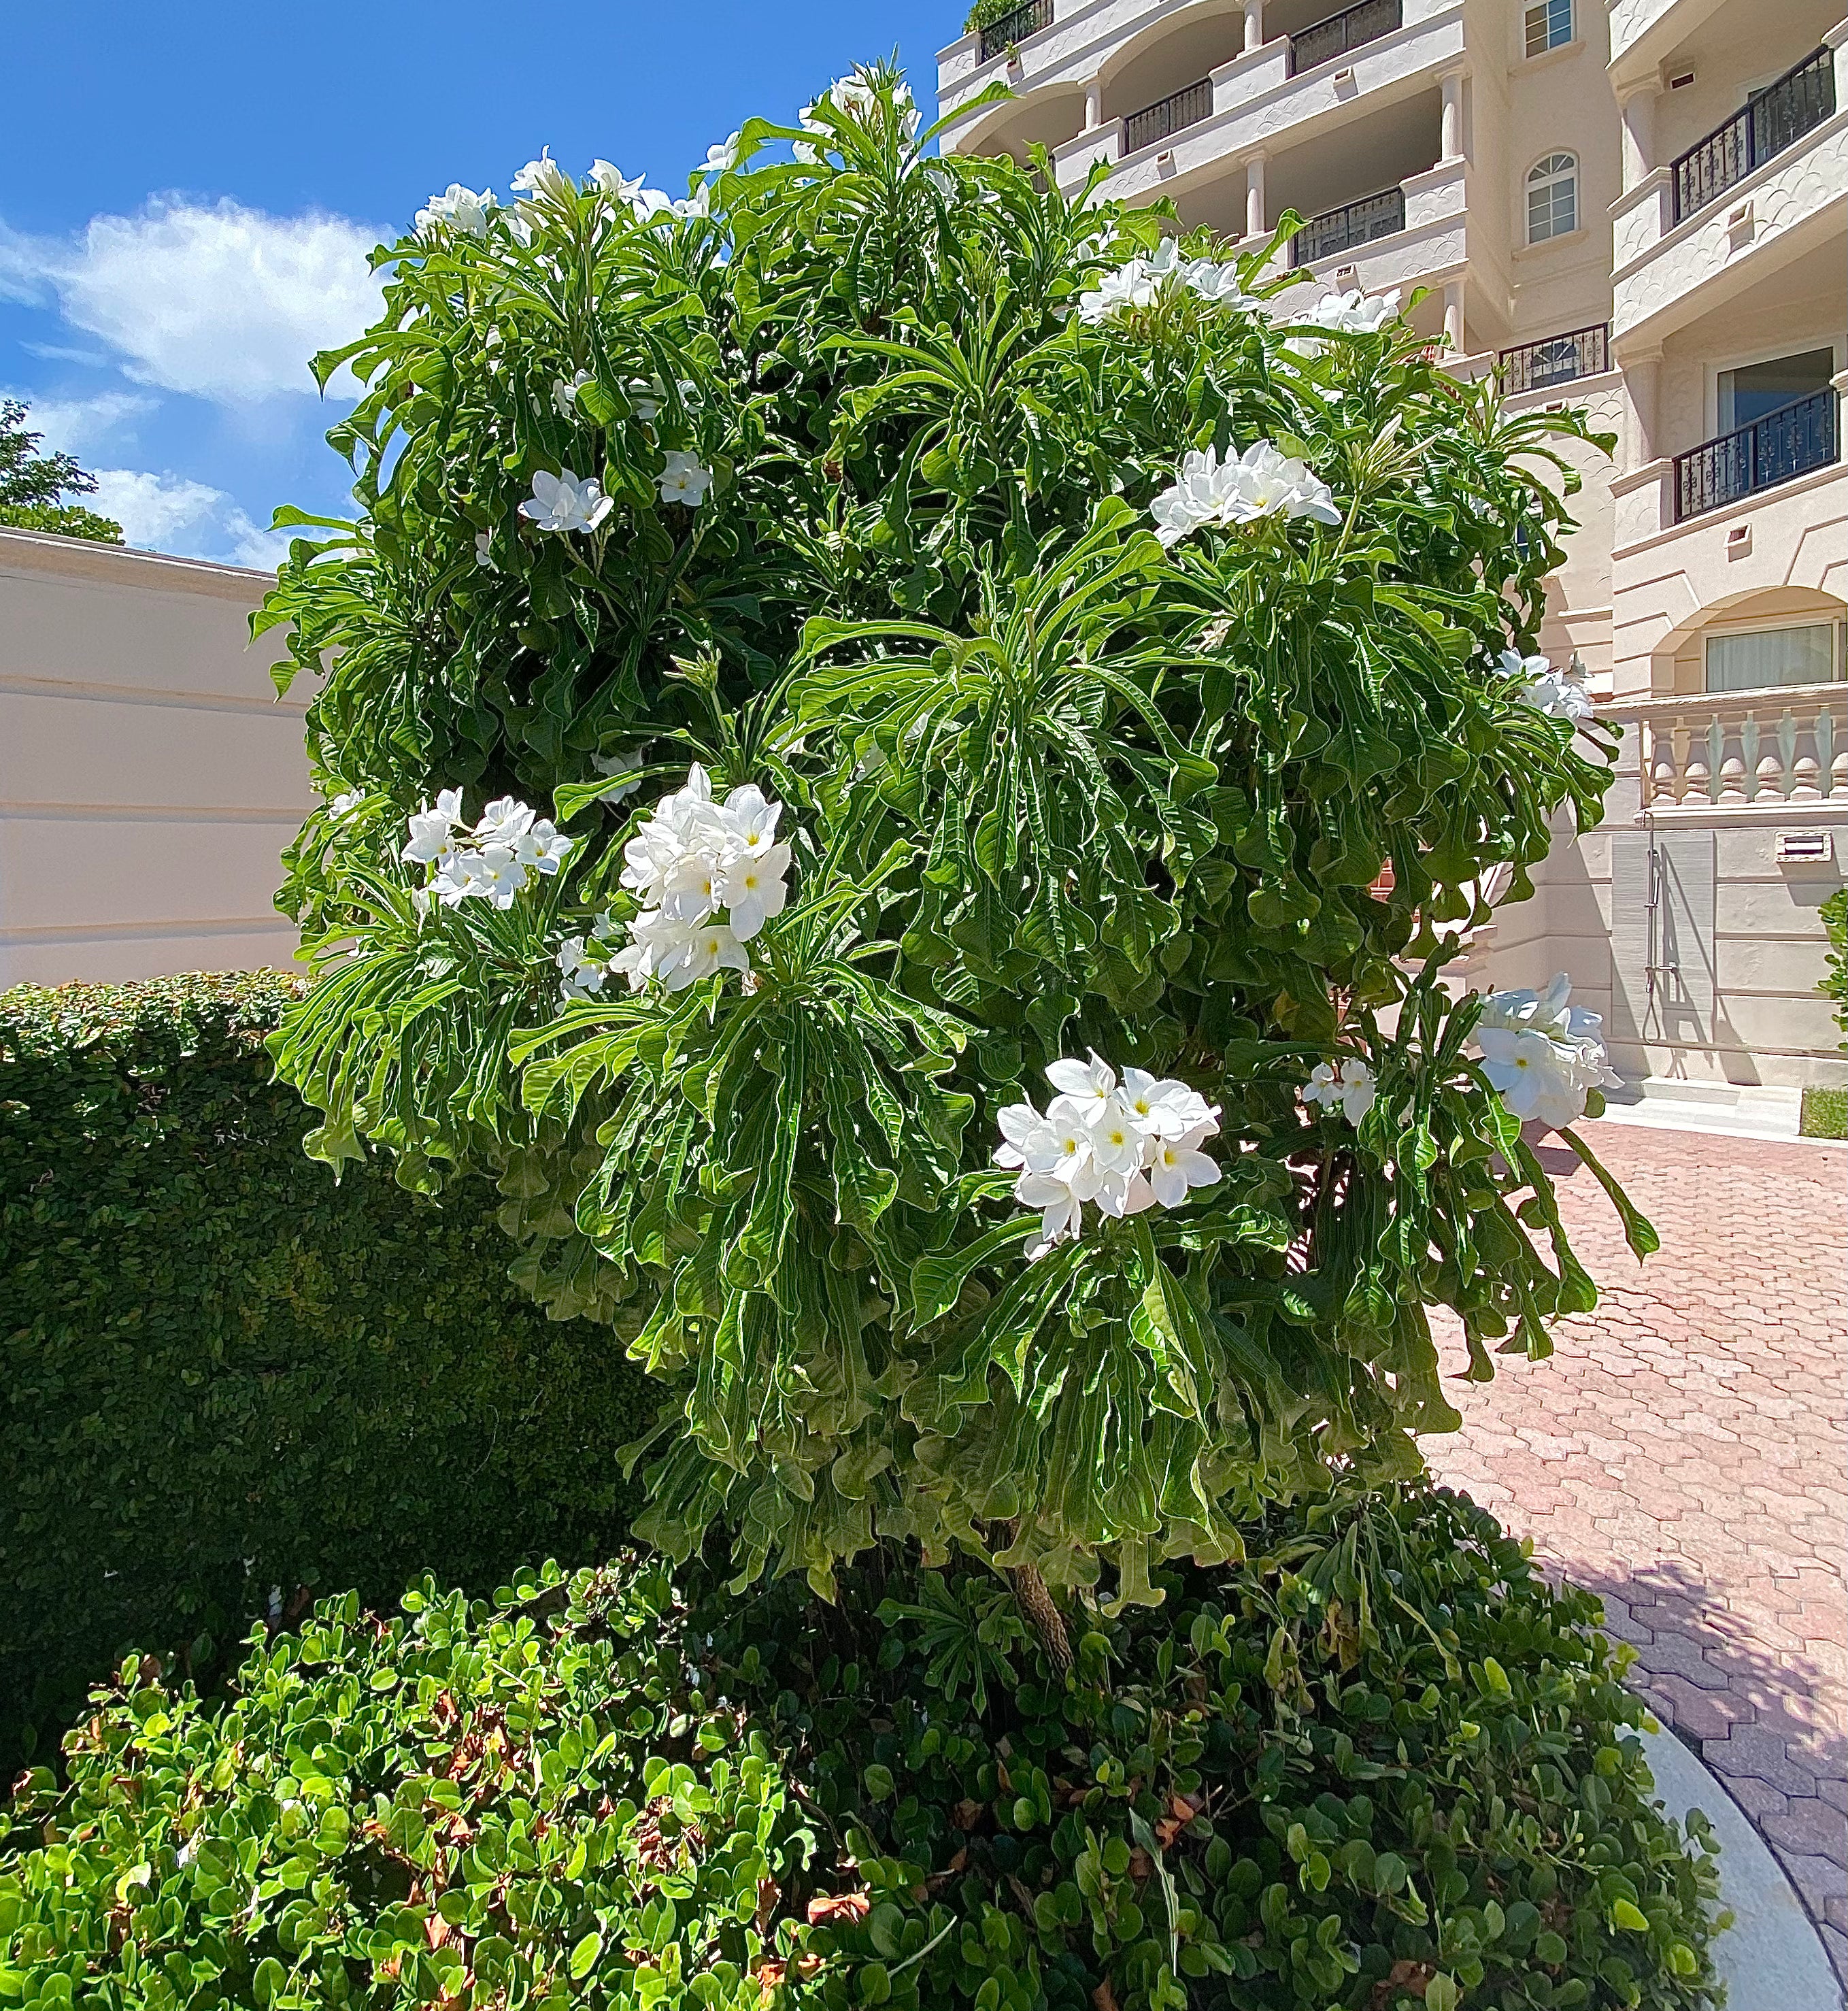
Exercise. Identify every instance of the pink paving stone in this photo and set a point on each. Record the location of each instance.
(1681, 1453)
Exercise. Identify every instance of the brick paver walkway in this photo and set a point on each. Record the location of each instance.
(1685, 1453)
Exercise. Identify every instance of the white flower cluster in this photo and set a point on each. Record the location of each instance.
(492, 863)
(693, 860)
(1556, 693)
(1350, 1084)
(1142, 282)
(1542, 1053)
(1261, 483)
(461, 209)
(1123, 1147)
(1354, 313)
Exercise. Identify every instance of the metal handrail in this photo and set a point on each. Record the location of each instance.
(1795, 440)
(1556, 359)
(1321, 42)
(1766, 126)
(1185, 107)
(1015, 27)
(1357, 223)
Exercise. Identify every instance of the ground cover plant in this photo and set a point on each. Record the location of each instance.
(224, 1374)
(863, 720)
(1380, 1763)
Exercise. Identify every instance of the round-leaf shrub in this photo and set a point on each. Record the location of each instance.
(1383, 1765)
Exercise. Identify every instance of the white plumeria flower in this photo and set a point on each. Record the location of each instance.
(459, 207)
(1028, 1140)
(543, 177)
(345, 804)
(1162, 1108)
(1218, 285)
(542, 847)
(683, 479)
(711, 946)
(1086, 1088)
(692, 887)
(721, 159)
(454, 879)
(752, 891)
(1117, 1140)
(649, 204)
(698, 203)
(584, 967)
(1118, 293)
(430, 828)
(610, 179)
(497, 876)
(751, 818)
(614, 764)
(483, 550)
(1178, 1165)
(503, 821)
(1061, 1213)
(564, 395)
(1352, 313)
(566, 502)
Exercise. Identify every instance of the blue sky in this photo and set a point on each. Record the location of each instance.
(187, 193)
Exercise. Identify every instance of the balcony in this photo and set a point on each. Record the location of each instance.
(1000, 36)
(1731, 751)
(1724, 217)
(1556, 359)
(1170, 114)
(1353, 224)
(1352, 29)
(1771, 124)
(1796, 440)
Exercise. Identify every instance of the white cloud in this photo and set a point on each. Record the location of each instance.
(168, 513)
(218, 300)
(74, 425)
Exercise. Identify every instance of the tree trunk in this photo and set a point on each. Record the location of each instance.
(1043, 1617)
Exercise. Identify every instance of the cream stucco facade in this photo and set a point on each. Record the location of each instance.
(149, 775)
(1641, 207)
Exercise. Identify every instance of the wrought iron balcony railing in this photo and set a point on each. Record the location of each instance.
(1350, 30)
(1353, 223)
(1557, 359)
(1015, 27)
(1183, 108)
(1776, 119)
(1794, 440)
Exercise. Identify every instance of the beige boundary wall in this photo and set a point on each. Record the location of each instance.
(149, 776)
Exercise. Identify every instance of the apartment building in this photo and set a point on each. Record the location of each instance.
(1640, 206)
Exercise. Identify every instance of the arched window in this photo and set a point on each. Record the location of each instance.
(1552, 197)
(1549, 25)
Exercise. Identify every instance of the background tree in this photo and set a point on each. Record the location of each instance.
(32, 484)
(960, 635)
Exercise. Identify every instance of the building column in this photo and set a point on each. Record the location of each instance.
(1255, 225)
(1642, 382)
(1093, 105)
(1453, 316)
(1451, 84)
(1637, 108)
(1254, 25)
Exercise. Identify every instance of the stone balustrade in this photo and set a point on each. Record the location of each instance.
(1727, 750)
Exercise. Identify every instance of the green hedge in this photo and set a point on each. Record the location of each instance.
(1834, 919)
(221, 1372)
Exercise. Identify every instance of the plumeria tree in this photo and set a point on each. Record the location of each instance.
(864, 718)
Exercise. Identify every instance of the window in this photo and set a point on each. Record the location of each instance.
(1549, 25)
(1552, 197)
(1763, 658)
(1748, 394)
